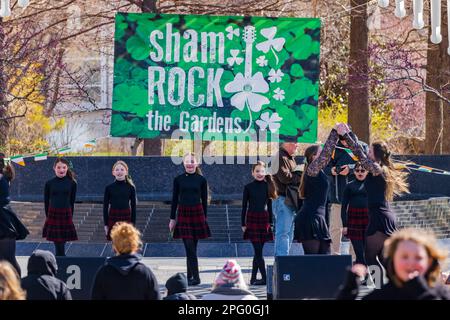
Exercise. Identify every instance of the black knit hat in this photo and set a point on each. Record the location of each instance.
(176, 284)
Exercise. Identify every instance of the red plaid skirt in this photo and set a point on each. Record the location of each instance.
(191, 223)
(258, 227)
(117, 215)
(358, 219)
(59, 226)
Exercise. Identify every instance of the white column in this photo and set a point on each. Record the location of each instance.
(436, 36)
(400, 11)
(5, 10)
(418, 14)
(383, 3)
(23, 3)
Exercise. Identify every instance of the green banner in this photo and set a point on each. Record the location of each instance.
(222, 75)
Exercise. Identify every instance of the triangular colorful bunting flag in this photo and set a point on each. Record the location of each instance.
(19, 160)
(63, 150)
(40, 157)
(90, 144)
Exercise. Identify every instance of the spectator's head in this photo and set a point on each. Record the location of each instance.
(42, 262)
(413, 252)
(10, 288)
(230, 275)
(177, 284)
(290, 147)
(126, 239)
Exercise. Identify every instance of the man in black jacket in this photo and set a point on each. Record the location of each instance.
(41, 283)
(339, 175)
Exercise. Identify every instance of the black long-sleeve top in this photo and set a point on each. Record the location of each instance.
(189, 189)
(316, 181)
(119, 195)
(60, 193)
(354, 196)
(415, 289)
(4, 191)
(256, 196)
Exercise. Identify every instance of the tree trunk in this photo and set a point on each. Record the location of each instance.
(433, 104)
(445, 80)
(358, 87)
(3, 87)
(152, 147)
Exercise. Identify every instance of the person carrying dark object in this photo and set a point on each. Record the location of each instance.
(176, 287)
(339, 174)
(41, 282)
(11, 228)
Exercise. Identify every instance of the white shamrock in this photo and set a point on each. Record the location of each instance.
(234, 58)
(269, 121)
(271, 42)
(275, 76)
(232, 32)
(247, 92)
(261, 61)
(279, 94)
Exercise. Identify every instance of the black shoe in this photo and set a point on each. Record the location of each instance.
(252, 282)
(194, 282)
(261, 282)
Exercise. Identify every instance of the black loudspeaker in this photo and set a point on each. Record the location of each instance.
(309, 276)
(78, 273)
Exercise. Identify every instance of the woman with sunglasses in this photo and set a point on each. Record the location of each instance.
(354, 212)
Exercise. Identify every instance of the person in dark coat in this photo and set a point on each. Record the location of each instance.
(354, 213)
(413, 261)
(176, 287)
(188, 215)
(59, 202)
(41, 282)
(339, 175)
(11, 228)
(385, 180)
(125, 277)
(119, 201)
(257, 220)
(311, 228)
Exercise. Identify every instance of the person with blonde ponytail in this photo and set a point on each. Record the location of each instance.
(119, 201)
(257, 220)
(383, 182)
(11, 228)
(125, 276)
(188, 216)
(311, 228)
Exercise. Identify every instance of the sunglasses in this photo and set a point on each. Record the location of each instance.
(360, 170)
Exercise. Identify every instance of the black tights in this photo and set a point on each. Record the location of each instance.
(190, 245)
(258, 261)
(8, 253)
(359, 247)
(316, 247)
(374, 250)
(60, 250)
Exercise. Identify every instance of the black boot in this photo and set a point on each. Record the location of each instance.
(195, 280)
(254, 272)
